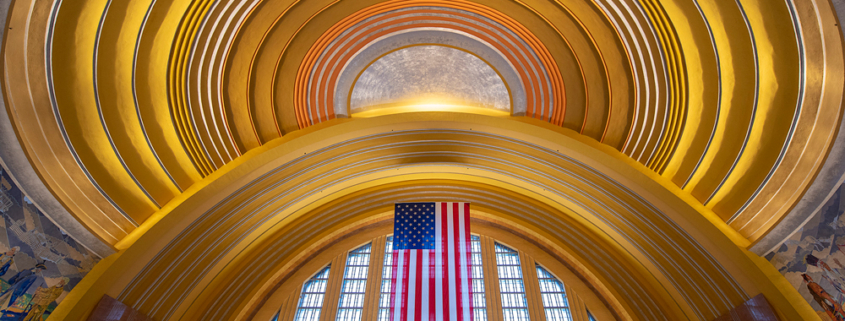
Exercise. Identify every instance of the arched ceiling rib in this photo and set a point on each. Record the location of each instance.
(548, 189)
(123, 106)
(649, 248)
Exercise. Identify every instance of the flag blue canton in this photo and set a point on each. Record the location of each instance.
(413, 226)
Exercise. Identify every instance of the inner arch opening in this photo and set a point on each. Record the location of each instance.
(429, 78)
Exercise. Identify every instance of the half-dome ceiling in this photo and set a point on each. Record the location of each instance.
(427, 76)
(131, 105)
(662, 130)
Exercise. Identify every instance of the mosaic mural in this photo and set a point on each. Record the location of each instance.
(813, 260)
(39, 263)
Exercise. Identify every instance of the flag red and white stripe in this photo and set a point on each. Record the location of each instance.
(435, 284)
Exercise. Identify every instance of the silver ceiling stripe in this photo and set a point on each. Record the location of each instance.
(212, 161)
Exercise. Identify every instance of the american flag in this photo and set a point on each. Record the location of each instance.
(431, 277)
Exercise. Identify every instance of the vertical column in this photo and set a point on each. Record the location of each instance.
(491, 280)
(532, 287)
(371, 299)
(329, 311)
(576, 305)
(288, 309)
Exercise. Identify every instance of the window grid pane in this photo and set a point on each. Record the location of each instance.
(479, 301)
(351, 303)
(514, 305)
(511, 285)
(590, 316)
(311, 299)
(554, 296)
(386, 281)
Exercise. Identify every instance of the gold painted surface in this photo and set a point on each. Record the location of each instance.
(778, 90)
(599, 92)
(645, 134)
(527, 176)
(579, 63)
(235, 84)
(678, 208)
(203, 79)
(736, 61)
(678, 100)
(115, 53)
(195, 144)
(699, 59)
(285, 39)
(30, 110)
(73, 46)
(151, 90)
(618, 79)
(484, 221)
(821, 113)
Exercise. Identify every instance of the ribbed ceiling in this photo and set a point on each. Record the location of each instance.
(121, 106)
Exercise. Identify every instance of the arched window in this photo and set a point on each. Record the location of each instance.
(507, 285)
(554, 296)
(351, 305)
(511, 286)
(313, 293)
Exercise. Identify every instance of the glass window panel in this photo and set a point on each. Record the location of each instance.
(590, 316)
(311, 298)
(514, 305)
(479, 315)
(479, 300)
(516, 314)
(386, 281)
(511, 286)
(384, 315)
(554, 296)
(351, 302)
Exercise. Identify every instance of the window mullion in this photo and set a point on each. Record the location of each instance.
(353, 288)
(532, 287)
(289, 308)
(491, 282)
(329, 311)
(577, 308)
(374, 280)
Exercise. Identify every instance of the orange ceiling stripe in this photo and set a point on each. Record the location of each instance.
(335, 72)
(309, 63)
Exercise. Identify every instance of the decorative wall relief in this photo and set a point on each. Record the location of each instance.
(813, 260)
(39, 263)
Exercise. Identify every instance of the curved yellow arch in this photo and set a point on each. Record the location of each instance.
(209, 237)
